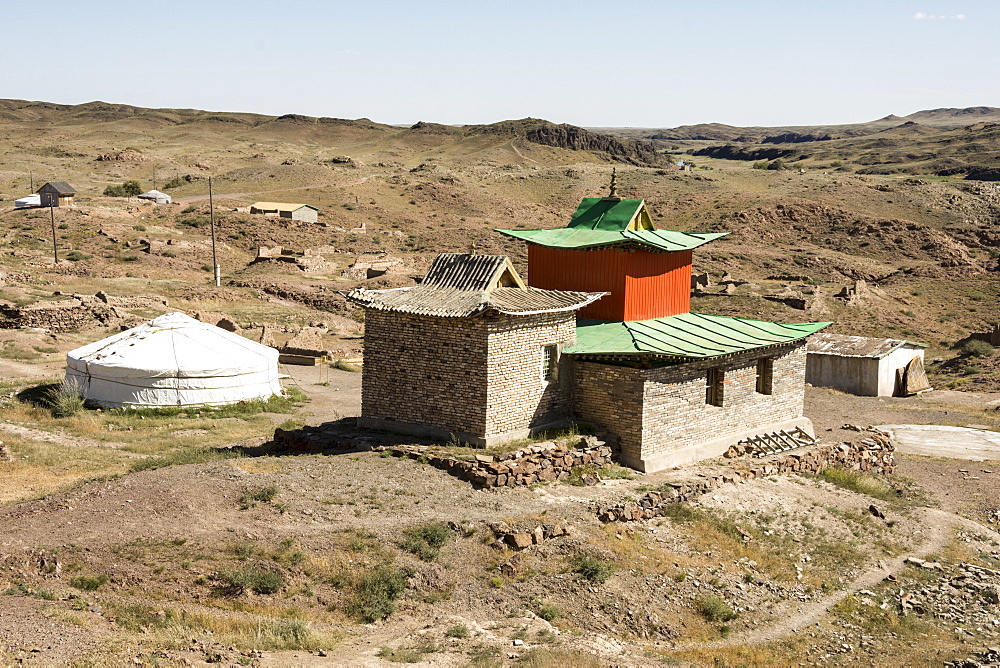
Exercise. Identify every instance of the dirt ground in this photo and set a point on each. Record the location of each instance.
(161, 536)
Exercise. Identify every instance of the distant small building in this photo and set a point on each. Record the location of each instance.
(156, 197)
(304, 212)
(56, 193)
(869, 367)
(27, 201)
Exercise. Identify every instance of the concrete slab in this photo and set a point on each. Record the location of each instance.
(942, 441)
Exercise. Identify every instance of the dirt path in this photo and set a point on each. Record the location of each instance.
(62, 439)
(938, 524)
(521, 155)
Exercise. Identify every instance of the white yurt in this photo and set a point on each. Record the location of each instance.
(156, 196)
(174, 360)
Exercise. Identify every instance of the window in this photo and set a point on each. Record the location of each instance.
(765, 375)
(550, 362)
(713, 386)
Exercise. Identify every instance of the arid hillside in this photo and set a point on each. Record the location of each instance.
(191, 537)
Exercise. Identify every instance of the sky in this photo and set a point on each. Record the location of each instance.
(618, 63)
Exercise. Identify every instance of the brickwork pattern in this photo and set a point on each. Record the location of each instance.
(479, 376)
(656, 411)
(425, 371)
(518, 396)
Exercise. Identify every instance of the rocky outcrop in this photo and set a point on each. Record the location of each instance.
(730, 152)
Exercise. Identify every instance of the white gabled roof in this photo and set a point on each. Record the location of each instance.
(856, 346)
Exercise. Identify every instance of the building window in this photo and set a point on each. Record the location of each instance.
(550, 362)
(765, 375)
(713, 386)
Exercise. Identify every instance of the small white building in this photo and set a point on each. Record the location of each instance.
(865, 366)
(304, 212)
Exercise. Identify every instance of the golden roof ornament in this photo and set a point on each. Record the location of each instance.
(613, 190)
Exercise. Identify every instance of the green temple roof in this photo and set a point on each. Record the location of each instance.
(582, 237)
(600, 213)
(687, 335)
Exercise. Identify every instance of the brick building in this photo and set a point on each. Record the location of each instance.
(476, 353)
(471, 352)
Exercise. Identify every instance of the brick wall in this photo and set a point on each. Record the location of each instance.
(656, 412)
(518, 396)
(479, 376)
(425, 371)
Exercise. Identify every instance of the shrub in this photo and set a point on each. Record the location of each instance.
(344, 365)
(75, 256)
(426, 540)
(175, 182)
(458, 631)
(65, 399)
(592, 567)
(376, 593)
(139, 228)
(88, 583)
(251, 498)
(114, 191)
(977, 348)
(169, 253)
(548, 612)
(714, 609)
(256, 577)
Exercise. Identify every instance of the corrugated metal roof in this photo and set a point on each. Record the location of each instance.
(280, 206)
(569, 237)
(449, 302)
(843, 345)
(687, 335)
(60, 187)
(597, 213)
(465, 271)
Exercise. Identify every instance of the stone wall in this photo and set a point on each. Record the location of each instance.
(874, 454)
(55, 318)
(518, 396)
(427, 371)
(478, 378)
(661, 415)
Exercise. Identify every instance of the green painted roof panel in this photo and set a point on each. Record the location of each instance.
(687, 335)
(570, 237)
(597, 213)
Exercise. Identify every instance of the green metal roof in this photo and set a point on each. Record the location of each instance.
(687, 335)
(571, 237)
(597, 213)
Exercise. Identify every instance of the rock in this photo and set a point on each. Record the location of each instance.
(519, 541)
(5, 455)
(873, 509)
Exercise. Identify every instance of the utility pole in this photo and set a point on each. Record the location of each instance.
(31, 178)
(211, 219)
(154, 178)
(55, 248)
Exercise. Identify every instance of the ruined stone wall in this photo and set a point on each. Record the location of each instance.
(519, 398)
(425, 371)
(874, 455)
(56, 319)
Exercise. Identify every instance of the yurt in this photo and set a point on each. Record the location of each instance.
(174, 360)
(156, 197)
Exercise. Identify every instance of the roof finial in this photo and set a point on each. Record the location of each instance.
(614, 182)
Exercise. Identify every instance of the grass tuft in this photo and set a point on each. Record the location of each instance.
(592, 567)
(376, 593)
(426, 540)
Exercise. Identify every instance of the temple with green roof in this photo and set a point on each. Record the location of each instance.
(674, 386)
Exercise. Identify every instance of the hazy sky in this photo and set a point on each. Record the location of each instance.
(616, 63)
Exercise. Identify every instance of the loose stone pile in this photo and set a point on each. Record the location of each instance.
(519, 538)
(868, 455)
(540, 462)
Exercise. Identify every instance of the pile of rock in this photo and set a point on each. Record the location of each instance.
(520, 537)
(855, 456)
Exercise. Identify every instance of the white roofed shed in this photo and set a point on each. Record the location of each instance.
(872, 367)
